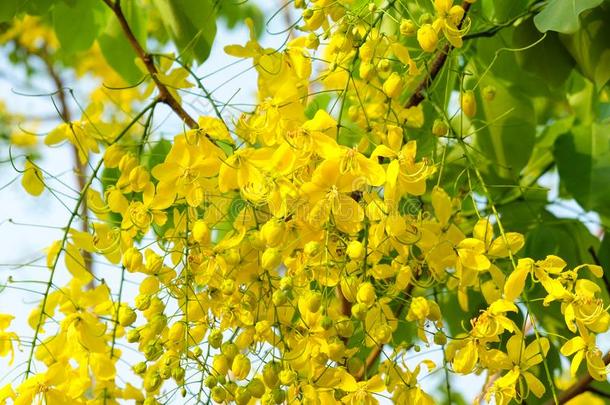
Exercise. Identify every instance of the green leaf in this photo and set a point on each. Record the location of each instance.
(78, 25)
(565, 237)
(117, 50)
(502, 10)
(191, 24)
(8, 8)
(158, 153)
(548, 59)
(236, 12)
(583, 160)
(562, 15)
(507, 133)
(318, 102)
(590, 47)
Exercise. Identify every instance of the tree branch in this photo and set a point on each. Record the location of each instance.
(579, 387)
(164, 95)
(416, 98)
(437, 64)
(80, 168)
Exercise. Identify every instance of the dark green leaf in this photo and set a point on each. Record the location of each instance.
(590, 46)
(502, 10)
(191, 24)
(507, 132)
(117, 51)
(548, 58)
(583, 159)
(8, 8)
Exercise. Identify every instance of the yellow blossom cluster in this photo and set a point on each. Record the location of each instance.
(277, 262)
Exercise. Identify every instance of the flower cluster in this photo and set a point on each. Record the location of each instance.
(280, 258)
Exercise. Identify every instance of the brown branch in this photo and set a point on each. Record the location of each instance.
(164, 94)
(80, 168)
(376, 351)
(437, 64)
(579, 387)
(416, 98)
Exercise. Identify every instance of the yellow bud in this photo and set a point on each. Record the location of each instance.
(127, 316)
(427, 38)
(365, 70)
(489, 93)
(138, 178)
(220, 364)
(366, 294)
(256, 388)
(314, 301)
(215, 338)
(150, 285)
(270, 371)
(407, 28)
(230, 350)
(228, 286)
(311, 248)
(355, 250)
(468, 103)
(242, 396)
(271, 258)
(439, 128)
(359, 311)
(393, 85)
(443, 6)
(201, 232)
(219, 394)
(273, 232)
(287, 377)
(133, 260)
(241, 366)
(456, 13)
(177, 332)
(395, 137)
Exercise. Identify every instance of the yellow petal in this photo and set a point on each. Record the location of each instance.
(32, 180)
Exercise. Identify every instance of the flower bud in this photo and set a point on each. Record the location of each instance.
(201, 232)
(355, 250)
(468, 103)
(127, 316)
(427, 38)
(407, 28)
(366, 294)
(439, 128)
(271, 259)
(314, 301)
(220, 364)
(489, 93)
(241, 366)
(215, 338)
(256, 388)
(393, 85)
(273, 232)
(359, 311)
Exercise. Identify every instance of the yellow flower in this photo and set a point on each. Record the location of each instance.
(585, 347)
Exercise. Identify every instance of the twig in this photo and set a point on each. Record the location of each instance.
(437, 64)
(164, 94)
